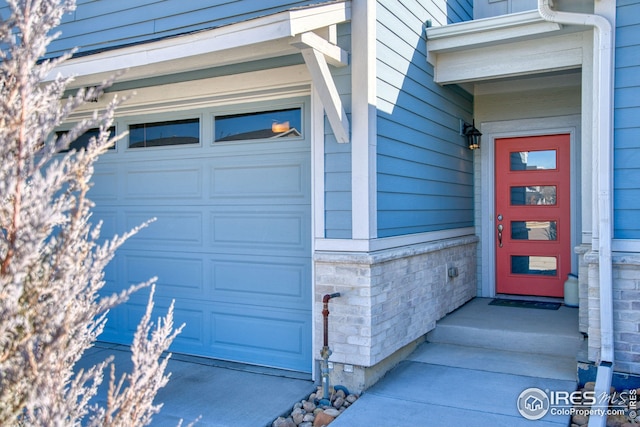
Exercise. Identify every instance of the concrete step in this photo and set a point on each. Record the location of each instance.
(522, 330)
(497, 361)
(482, 359)
(417, 393)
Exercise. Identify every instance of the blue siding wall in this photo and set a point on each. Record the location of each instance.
(627, 122)
(103, 24)
(338, 156)
(425, 171)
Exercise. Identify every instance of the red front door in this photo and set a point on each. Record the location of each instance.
(533, 211)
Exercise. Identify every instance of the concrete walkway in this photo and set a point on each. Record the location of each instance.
(222, 394)
(466, 374)
(429, 390)
(451, 383)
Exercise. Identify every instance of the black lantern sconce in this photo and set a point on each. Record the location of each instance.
(471, 133)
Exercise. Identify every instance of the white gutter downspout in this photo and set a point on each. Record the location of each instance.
(603, 137)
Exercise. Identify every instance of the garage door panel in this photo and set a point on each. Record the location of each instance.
(268, 337)
(192, 334)
(259, 181)
(176, 273)
(105, 184)
(114, 330)
(164, 182)
(192, 314)
(253, 334)
(109, 220)
(274, 282)
(171, 228)
(262, 230)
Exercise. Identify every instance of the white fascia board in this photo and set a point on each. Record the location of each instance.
(488, 31)
(310, 18)
(257, 38)
(559, 52)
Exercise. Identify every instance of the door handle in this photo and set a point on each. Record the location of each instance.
(500, 228)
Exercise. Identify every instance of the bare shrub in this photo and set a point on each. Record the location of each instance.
(52, 258)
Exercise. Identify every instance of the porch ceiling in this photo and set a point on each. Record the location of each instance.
(502, 47)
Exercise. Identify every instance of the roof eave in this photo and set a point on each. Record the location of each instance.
(264, 37)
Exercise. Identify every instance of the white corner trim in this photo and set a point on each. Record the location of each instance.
(364, 115)
(317, 166)
(327, 92)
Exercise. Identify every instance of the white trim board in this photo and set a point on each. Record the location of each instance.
(503, 46)
(364, 202)
(372, 245)
(626, 245)
(232, 89)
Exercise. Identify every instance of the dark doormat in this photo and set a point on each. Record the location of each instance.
(525, 304)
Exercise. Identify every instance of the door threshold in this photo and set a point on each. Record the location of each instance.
(533, 298)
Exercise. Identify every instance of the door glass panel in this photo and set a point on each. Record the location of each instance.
(533, 160)
(533, 195)
(533, 230)
(537, 265)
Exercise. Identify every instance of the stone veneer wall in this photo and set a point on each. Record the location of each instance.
(626, 309)
(389, 300)
(583, 289)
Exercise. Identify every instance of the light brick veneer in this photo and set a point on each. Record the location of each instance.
(389, 299)
(626, 310)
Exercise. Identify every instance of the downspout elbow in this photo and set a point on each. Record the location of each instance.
(585, 19)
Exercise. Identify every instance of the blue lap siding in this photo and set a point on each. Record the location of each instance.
(425, 171)
(626, 122)
(104, 24)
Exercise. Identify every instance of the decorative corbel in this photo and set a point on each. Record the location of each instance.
(318, 53)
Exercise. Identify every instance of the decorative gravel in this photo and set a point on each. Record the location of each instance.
(312, 413)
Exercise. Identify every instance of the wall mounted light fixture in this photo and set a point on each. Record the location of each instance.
(472, 134)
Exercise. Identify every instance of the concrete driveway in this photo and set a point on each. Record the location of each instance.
(222, 394)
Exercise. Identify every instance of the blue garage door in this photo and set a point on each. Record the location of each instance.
(231, 244)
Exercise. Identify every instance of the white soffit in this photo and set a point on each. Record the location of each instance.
(503, 46)
(259, 38)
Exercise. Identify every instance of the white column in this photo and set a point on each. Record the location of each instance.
(363, 120)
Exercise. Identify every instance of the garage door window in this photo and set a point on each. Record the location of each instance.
(158, 134)
(83, 140)
(286, 123)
